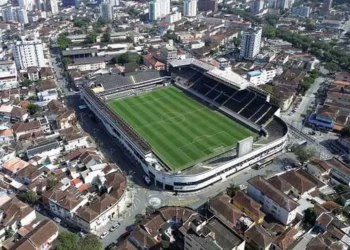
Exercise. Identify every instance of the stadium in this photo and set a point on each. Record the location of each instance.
(189, 128)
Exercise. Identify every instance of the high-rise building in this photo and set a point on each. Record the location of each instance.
(208, 5)
(301, 11)
(26, 4)
(280, 4)
(28, 53)
(158, 9)
(257, 6)
(190, 8)
(69, 3)
(250, 44)
(106, 11)
(14, 14)
(52, 6)
(8, 75)
(327, 5)
(114, 2)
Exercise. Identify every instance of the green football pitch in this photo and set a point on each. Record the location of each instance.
(180, 130)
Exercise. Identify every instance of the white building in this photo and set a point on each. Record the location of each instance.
(173, 17)
(274, 201)
(15, 14)
(29, 53)
(158, 9)
(259, 77)
(281, 4)
(301, 11)
(26, 4)
(106, 11)
(8, 75)
(257, 6)
(190, 8)
(52, 6)
(251, 41)
(114, 2)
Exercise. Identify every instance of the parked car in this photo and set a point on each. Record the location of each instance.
(103, 235)
(37, 208)
(58, 220)
(81, 234)
(113, 228)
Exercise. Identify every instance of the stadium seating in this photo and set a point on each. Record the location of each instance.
(267, 115)
(212, 94)
(221, 99)
(253, 107)
(262, 110)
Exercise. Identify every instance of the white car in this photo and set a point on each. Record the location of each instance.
(58, 220)
(81, 234)
(103, 235)
(242, 186)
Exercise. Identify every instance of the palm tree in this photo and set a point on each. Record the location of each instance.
(231, 190)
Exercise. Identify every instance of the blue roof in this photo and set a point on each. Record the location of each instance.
(254, 73)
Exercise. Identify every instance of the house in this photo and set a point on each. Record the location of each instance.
(13, 165)
(45, 125)
(66, 119)
(211, 235)
(273, 200)
(19, 114)
(5, 112)
(152, 63)
(248, 206)
(323, 242)
(46, 90)
(33, 73)
(88, 63)
(75, 140)
(339, 171)
(285, 240)
(46, 73)
(26, 128)
(28, 174)
(319, 169)
(51, 149)
(7, 153)
(258, 238)
(39, 238)
(6, 136)
(283, 96)
(15, 214)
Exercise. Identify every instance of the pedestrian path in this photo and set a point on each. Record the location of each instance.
(182, 202)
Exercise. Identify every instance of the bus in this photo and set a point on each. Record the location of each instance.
(302, 143)
(264, 163)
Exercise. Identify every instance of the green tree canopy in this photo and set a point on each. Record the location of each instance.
(90, 242)
(106, 37)
(231, 190)
(69, 241)
(33, 108)
(309, 217)
(25, 83)
(304, 154)
(63, 41)
(269, 31)
(332, 67)
(30, 197)
(127, 58)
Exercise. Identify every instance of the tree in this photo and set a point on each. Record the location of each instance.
(236, 41)
(309, 217)
(150, 210)
(332, 67)
(25, 83)
(66, 60)
(90, 38)
(29, 197)
(304, 154)
(90, 242)
(231, 190)
(33, 108)
(63, 42)
(345, 131)
(106, 37)
(127, 57)
(138, 218)
(67, 241)
(269, 31)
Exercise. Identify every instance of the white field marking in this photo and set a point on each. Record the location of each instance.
(161, 120)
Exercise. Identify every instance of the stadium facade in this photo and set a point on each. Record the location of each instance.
(224, 91)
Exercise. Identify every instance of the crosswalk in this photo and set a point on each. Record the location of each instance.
(182, 203)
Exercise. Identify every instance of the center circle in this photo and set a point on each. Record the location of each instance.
(154, 202)
(173, 118)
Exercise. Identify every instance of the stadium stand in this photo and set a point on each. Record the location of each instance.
(267, 115)
(260, 112)
(253, 107)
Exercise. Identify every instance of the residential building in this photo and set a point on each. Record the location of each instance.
(6, 136)
(50, 149)
(13, 165)
(281, 4)
(250, 207)
(39, 238)
(173, 17)
(88, 64)
(52, 6)
(47, 91)
(168, 53)
(251, 42)
(8, 75)
(327, 5)
(273, 200)
(301, 11)
(208, 5)
(212, 235)
(28, 53)
(69, 3)
(319, 169)
(263, 76)
(26, 128)
(26, 4)
(340, 172)
(15, 14)
(190, 8)
(158, 9)
(106, 11)
(258, 238)
(257, 6)
(153, 63)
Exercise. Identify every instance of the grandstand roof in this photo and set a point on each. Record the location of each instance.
(182, 62)
(230, 77)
